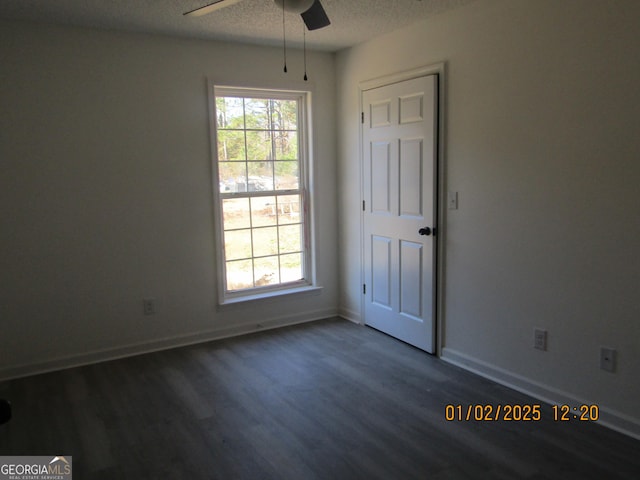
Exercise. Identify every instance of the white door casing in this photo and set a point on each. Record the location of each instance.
(399, 146)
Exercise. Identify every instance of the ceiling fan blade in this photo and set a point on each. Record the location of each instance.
(211, 7)
(315, 17)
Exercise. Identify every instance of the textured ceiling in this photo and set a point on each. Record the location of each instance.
(249, 21)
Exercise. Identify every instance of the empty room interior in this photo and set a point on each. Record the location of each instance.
(368, 239)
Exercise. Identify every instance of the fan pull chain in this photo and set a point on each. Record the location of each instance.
(284, 38)
(304, 40)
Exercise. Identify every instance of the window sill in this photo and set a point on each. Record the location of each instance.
(307, 290)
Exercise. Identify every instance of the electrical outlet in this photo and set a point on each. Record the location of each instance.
(149, 306)
(540, 339)
(608, 359)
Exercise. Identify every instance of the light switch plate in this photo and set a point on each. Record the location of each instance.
(453, 200)
(608, 359)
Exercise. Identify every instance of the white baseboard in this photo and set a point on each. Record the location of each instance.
(61, 363)
(608, 417)
(350, 315)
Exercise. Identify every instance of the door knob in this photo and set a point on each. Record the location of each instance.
(425, 231)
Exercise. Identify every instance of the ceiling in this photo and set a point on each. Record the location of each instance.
(249, 21)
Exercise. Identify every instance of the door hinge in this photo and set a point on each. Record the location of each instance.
(363, 206)
(364, 288)
(362, 117)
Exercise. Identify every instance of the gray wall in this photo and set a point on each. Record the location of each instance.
(106, 192)
(543, 108)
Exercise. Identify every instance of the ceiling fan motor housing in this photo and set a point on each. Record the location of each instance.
(294, 6)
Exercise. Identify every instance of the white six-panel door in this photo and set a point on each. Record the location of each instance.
(399, 154)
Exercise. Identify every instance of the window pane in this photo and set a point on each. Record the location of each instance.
(266, 271)
(237, 244)
(286, 145)
(285, 115)
(239, 275)
(259, 146)
(290, 238)
(265, 241)
(263, 211)
(291, 267)
(257, 113)
(229, 113)
(233, 177)
(231, 145)
(260, 176)
(288, 209)
(235, 212)
(286, 174)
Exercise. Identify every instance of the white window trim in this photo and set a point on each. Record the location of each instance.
(308, 283)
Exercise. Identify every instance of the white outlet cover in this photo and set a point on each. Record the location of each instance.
(540, 339)
(148, 306)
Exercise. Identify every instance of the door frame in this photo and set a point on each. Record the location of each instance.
(438, 69)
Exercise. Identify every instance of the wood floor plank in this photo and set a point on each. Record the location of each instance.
(325, 400)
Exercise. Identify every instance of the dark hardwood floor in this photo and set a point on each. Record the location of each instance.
(325, 400)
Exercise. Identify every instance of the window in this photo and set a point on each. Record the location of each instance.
(261, 177)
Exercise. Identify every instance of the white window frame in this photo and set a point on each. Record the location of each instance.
(307, 283)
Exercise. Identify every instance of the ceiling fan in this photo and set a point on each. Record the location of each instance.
(311, 11)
